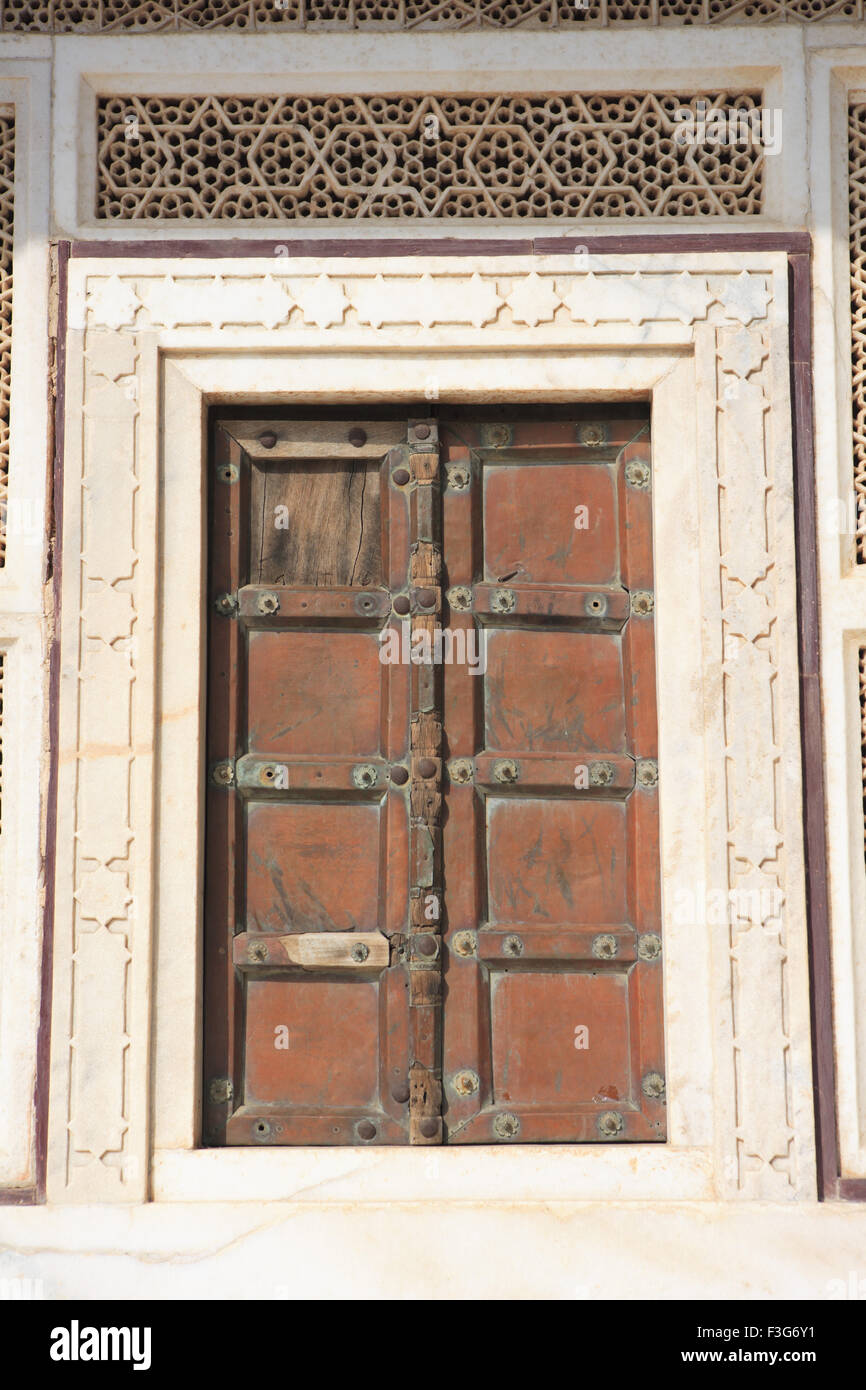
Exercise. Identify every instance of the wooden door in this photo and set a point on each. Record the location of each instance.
(553, 1003)
(432, 879)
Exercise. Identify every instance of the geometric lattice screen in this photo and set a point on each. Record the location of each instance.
(7, 188)
(112, 16)
(857, 236)
(426, 156)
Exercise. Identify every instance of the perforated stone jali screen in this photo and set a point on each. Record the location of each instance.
(7, 176)
(449, 157)
(105, 16)
(857, 233)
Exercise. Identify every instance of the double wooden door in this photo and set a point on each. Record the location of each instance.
(432, 865)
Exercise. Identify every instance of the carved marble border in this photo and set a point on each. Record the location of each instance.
(25, 88)
(142, 335)
(839, 81)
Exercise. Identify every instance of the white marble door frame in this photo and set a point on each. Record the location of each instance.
(151, 344)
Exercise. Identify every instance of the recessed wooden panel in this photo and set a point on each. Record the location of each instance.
(548, 691)
(294, 1060)
(312, 867)
(318, 523)
(557, 862)
(560, 1038)
(529, 524)
(314, 693)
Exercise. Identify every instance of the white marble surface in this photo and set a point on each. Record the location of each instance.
(396, 1251)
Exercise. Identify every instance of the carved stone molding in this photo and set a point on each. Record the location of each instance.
(107, 848)
(755, 834)
(730, 312)
(508, 301)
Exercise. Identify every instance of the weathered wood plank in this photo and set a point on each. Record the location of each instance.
(316, 523)
(270, 441)
(355, 952)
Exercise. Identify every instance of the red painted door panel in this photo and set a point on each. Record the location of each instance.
(432, 877)
(553, 1000)
(307, 988)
